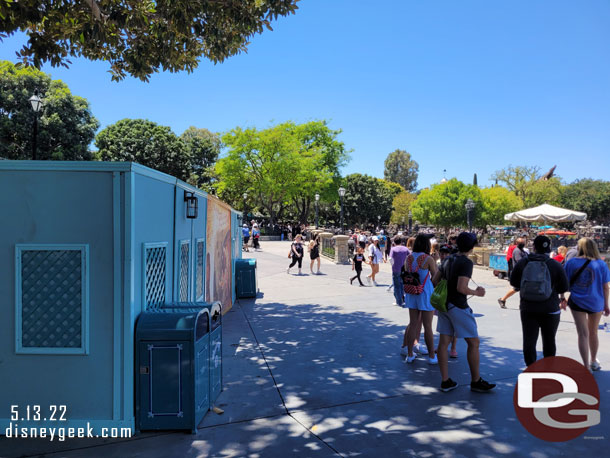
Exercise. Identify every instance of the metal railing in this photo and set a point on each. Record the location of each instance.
(328, 247)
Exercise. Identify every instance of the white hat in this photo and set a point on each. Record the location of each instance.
(375, 238)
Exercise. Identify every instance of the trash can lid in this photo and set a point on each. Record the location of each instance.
(170, 323)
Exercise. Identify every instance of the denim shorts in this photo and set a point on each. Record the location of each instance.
(457, 322)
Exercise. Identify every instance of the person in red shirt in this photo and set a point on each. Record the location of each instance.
(511, 263)
(561, 255)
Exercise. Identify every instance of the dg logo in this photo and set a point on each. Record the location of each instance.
(557, 399)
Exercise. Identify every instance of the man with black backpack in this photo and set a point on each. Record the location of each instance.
(541, 283)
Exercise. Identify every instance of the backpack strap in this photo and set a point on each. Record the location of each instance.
(579, 271)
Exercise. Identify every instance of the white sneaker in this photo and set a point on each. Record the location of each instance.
(433, 360)
(288, 270)
(404, 351)
(394, 303)
(410, 359)
(420, 349)
(375, 283)
(300, 272)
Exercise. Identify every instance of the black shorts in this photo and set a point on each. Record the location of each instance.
(246, 240)
(362, 244)
(576, 308)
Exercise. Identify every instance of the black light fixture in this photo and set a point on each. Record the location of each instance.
(192, 205)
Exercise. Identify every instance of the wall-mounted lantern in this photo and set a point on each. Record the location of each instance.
(192, 205)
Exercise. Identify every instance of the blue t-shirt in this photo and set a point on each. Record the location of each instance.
(588, 290)
(245, 231)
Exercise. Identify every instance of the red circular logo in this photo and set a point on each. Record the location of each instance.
(557, 399)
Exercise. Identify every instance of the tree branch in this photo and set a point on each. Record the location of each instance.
(95, 9)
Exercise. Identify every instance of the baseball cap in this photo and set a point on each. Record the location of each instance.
(245, 225)
(542, 244)
(445, 249)
(466, 241)
(374, 238)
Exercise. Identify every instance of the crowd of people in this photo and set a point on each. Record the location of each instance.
(541, 280)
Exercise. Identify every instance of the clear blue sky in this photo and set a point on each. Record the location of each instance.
(468, 86)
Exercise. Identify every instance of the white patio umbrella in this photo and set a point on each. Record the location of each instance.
(546, 212)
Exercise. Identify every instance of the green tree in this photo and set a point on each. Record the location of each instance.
(203, 147)
(443, 205)
(401, 169)
(517, 179)
(137, 37)
(269, 164)
(402, 204)
(147, 143)
(543, 192)
(589, 196)
(324, 176)
(66, 126)
(497, 202)
(366, 198)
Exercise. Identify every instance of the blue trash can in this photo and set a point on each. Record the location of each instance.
(172, 368)
(215, 352)
(245, 278)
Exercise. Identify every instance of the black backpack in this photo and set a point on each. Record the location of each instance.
(536, 281)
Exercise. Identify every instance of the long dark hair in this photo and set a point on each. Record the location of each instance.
(422, 244)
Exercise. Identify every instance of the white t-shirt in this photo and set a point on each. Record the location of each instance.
(375, 253)
(362, 238)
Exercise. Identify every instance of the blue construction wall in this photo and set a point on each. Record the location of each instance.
(42, 209)
(125, 229)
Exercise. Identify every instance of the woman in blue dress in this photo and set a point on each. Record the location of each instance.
(419, 305)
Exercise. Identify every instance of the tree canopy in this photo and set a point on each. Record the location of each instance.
(66, 125)
(203, 148)
(368, 197)
(444, 204)
(589, 196)
(401, 169)
(497, 202)
(147, 143)
(402, 204)
(280, 166)
(137, 37)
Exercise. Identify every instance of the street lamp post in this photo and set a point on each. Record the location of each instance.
(36, 106)
(341, 195)
(469, 210)
(378, 222)
(410, 221)
(317, 200)
(245, 196)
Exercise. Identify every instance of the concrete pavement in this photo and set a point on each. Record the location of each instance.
(312, 368)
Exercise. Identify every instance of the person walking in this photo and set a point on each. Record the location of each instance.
(246, 236)
(418, 304)
(375, 258)
(314, 253)
(540, 297)
(398, 255)
(256, 234)
(589, 277)
(362, 240)
(517, 253)
(296, 253)
(459, 319)
(357, 266)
